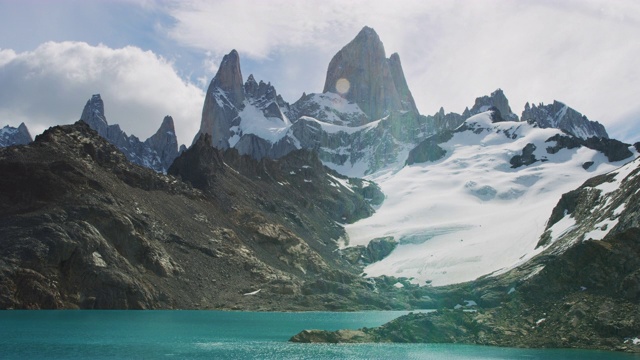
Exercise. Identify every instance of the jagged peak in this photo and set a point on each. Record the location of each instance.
(167, 125)
(229, 78)
(559, 115)
(367, 33)
(498, 100)
(361, 73)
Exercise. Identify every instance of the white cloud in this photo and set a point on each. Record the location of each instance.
(51, 84)
(583, 53)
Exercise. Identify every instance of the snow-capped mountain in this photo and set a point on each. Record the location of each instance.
(10, 135)
(157, 152)
(477, 199)
(478, 186)
(364, 121)
(560, 116)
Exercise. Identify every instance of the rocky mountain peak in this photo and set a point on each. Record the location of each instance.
(401, 83)
(498, 100)
(560, 116)
(164, 142)
(229, 78)
(93, 114)
(199, 164)
(15, 136)
(362, 74)
(157, 152)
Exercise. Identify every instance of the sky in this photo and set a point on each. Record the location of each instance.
(149, 59)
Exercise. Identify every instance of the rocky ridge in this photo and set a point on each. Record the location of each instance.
(15, 136)
(560, 116)
(82, 227)
(157, 152)
(365, 121)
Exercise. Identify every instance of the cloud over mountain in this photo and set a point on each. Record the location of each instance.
(49, 85)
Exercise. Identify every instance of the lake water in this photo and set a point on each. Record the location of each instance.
(223, 335)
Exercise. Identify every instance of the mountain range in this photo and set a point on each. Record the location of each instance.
(157, 152)
(15, 136)
(344, 199)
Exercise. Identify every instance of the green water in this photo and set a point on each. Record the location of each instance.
(222, 335)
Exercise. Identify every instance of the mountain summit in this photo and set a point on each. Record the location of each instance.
(362, 74)
(15, 136)
(157, 152)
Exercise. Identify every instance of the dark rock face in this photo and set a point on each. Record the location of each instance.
(613, 149)
(560, 116)
(157, 152)
(373, 79)
(164, 142)
(496, 100)
(428, 150)
(526, 158)
(229, 78)
(199, 164)
(15, 136)
(406, 99)
(376, 250)
(447, 122)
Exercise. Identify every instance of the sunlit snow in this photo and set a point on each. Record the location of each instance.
(470, 213)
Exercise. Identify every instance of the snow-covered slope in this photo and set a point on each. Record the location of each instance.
(602, 205)
(476, 210)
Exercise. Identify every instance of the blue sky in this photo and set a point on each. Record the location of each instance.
(154, 58)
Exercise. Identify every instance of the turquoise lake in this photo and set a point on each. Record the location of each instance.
(223, 335)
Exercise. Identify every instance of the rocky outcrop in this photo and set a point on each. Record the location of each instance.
(157, 152)
(428, 149)
(376, 250)
(613, 149)
(199, 164)
(362, 74)
(526, 158)
(498, 100)
(560, 116)
(15, 136)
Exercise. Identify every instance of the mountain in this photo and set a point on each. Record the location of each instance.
(497, 102)
(560, 116)
(364, 122)
(361, 73)
(14, 136)
(82, 227)
(580, 291)
(474, 200)
(355, 131)
(157, 152)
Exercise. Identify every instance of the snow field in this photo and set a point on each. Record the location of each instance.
(471, 214)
